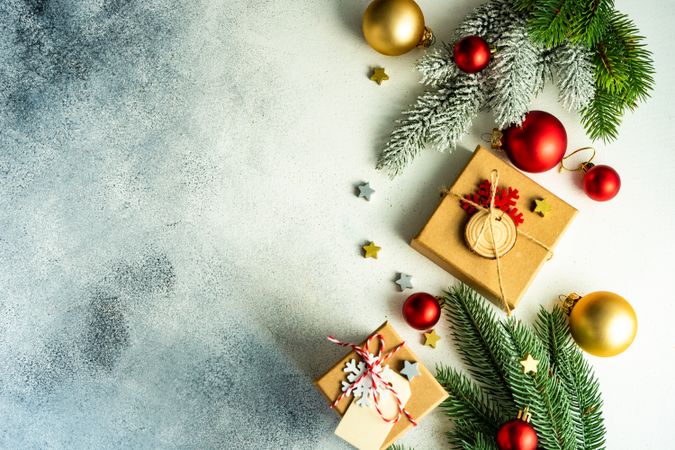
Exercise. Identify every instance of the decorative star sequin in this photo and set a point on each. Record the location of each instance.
(378, 75)
(431, 338)
(410, 370)
(371, 250)
(404, 281)
(365, 191)
(542, 207)
(529, 364)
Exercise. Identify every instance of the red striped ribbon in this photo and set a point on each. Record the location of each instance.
(374, 365)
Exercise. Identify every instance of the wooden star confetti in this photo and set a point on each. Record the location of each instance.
(410, 370)
(542, 207)
(378, 75)
(529, 364)
(404, 281)
(365, 191)
(371, 250)
(431, 339)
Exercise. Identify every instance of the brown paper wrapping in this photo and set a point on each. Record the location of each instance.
(442, 238)
(426, 392)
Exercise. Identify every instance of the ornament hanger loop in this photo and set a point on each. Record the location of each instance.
(581, 166)
(428, 38)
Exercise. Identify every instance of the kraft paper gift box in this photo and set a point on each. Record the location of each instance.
(443, 241)
(425, 392)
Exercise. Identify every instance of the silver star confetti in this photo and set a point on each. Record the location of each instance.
(365, 191)
(404, 281)
(410, 370)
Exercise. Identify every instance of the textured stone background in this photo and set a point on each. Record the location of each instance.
(178, 226)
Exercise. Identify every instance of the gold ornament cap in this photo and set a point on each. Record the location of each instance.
(394, 27)
(602, 323)
(524, 414)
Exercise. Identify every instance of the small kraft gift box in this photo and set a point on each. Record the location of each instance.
(381, 390)
(494, 229)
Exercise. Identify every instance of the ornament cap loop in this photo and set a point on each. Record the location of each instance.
(584, 166)
(525, 415)
(428, 38)
(496, 139)
(568, 302)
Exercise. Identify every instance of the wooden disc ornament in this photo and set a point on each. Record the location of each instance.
(480, 238)
(394, 27)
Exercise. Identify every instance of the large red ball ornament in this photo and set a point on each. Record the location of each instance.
(538, 144)
(601, 183)
(472, 54)
(421, 311)
(516, 435)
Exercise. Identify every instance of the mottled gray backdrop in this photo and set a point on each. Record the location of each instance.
(122, 323)
(179, 229)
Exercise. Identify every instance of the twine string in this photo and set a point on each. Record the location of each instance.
(497, 214)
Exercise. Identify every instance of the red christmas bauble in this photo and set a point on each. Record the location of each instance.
(516, 435)
(601, 183)
(472, 54)
(538, 144)
(421, 311)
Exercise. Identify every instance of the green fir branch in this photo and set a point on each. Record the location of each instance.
(466, 401)
(542, 392)
(554, 22)
(581, 386)
(563, 395)
(590, 21)
(550, 21)
(602, 117)
(399, 447)
(624, 65)
(481, 442)
(481, 344)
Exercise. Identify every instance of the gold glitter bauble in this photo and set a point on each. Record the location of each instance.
(394, 27)
(603, 323)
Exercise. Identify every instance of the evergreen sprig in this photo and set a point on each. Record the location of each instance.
(563, 396)
(594, 53)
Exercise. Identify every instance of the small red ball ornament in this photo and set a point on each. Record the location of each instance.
(516, 434)
(601, 182)
(538, 144)
(421, 311)
(472, 54)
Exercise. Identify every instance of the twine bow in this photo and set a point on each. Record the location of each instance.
(374, 366)
(496, 214)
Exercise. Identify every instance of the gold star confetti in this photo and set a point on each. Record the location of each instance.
(431, 339)
(371, 250)
(542, 207)
(529, 364)
(378, 75)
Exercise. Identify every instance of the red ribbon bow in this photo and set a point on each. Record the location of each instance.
(374, 366)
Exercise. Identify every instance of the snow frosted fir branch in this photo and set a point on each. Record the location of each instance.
(530, 48)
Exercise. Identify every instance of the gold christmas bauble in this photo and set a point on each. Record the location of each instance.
(394, 27)
(603, 323)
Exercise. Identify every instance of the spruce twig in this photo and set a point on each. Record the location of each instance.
(563, 396)
(577, 376)
(439, 118)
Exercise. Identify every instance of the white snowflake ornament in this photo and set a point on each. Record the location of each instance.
(362, 391)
